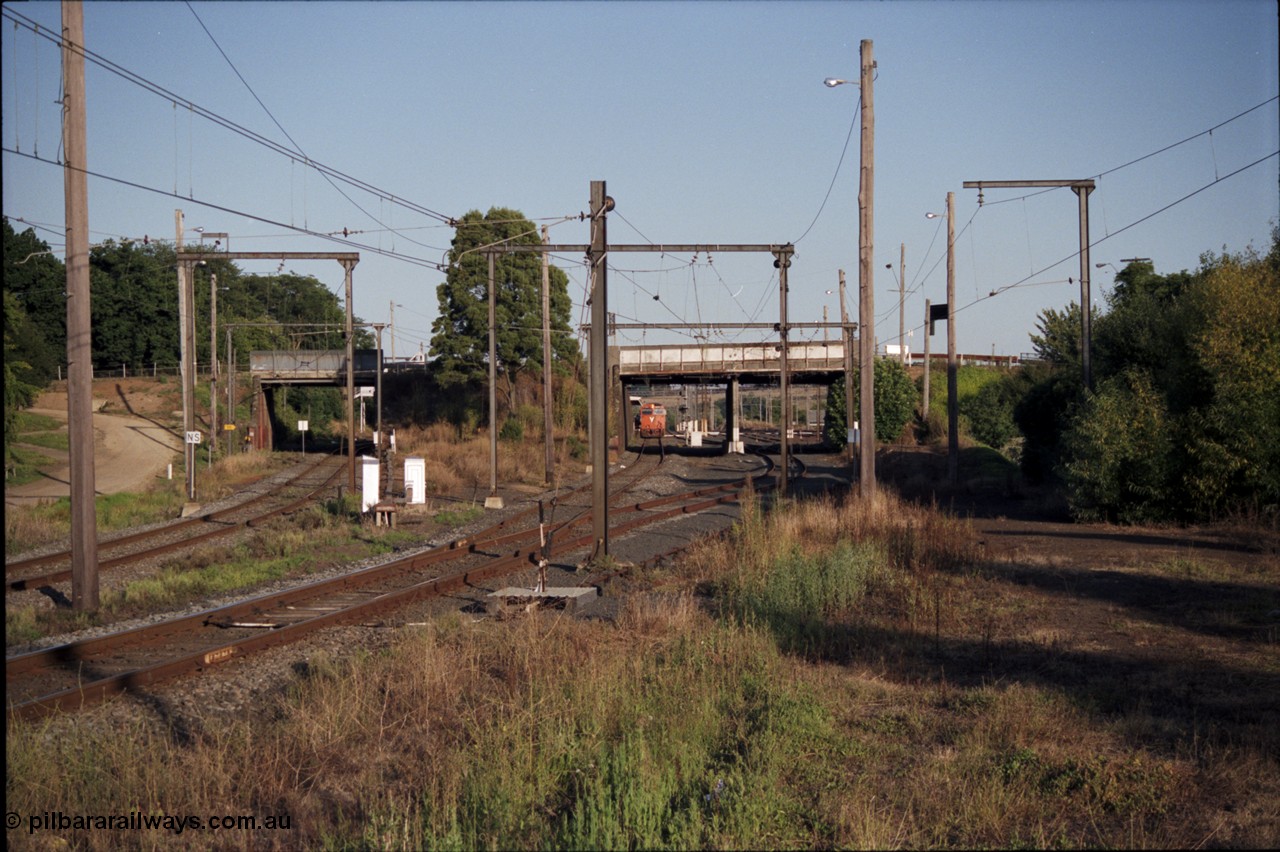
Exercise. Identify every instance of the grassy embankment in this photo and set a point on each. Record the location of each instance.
(311, 541)
(838, 674)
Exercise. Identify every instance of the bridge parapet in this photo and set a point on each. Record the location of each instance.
(312, 366)
(728, 359)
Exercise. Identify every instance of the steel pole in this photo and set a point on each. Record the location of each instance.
(1086, 330)
(953, 408)
(598, 397)
(783, 261)
(347, 266)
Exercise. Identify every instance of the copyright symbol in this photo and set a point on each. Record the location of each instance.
(12, 819)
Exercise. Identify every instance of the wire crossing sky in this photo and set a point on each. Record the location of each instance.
(369, 126)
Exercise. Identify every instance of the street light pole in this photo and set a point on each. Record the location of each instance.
(866, 274)
(866, 279)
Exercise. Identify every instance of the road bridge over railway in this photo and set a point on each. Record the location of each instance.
(729, 364)
(269, 369)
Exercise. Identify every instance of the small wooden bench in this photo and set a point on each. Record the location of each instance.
(385, 512)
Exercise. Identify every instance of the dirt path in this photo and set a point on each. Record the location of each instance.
(128, 453)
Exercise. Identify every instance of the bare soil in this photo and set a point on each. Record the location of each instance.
(135, 434)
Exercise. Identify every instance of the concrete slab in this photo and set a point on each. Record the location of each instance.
(513, 598)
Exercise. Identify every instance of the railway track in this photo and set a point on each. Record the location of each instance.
(300, 489)
(74, 675)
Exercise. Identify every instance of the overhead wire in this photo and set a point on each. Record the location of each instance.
(215, 118)
(852, 124)
(1158, 151)
(418, 261)
(1026, 282)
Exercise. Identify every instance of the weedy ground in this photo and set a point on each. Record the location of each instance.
(838, 674)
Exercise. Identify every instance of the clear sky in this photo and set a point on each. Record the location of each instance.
(708, 121)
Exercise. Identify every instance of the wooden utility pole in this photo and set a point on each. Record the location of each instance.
(598, 390)
(953, 407)
(84, 532)
(494, 500)
(548, 423)
(866, 279)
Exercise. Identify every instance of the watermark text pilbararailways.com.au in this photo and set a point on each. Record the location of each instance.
(138, 821)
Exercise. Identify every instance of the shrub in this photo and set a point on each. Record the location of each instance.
(990, 412)
(512, 430)
(895, 399)
(1120, 450)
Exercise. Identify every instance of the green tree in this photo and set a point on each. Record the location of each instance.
(134, 303)
(1120, 452)
(1232, 438)
(1059, 339)
(989, 411)
(459, 342)
(895, 396)
(37, 280)
(18, 394)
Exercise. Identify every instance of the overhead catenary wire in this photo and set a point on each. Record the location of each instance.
(418, 261)
(226, 123)
(839, 163)
(1027, 282)
(1148, 156)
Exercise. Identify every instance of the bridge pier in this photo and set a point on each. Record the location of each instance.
(732, 434)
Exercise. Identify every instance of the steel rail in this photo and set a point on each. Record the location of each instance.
(78, 654)
(36, 581)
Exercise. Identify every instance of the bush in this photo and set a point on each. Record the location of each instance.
(1120, 452)
(512, 430)
(990, 412)
(895, 398)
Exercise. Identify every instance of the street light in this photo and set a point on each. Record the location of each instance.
(866, 274)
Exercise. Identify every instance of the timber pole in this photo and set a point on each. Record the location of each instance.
(493, 501)
(84, 533)
(548, 424)
(866, 279)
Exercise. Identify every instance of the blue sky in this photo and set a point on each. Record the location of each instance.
(708, 121)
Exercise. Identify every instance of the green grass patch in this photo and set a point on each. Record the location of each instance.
(983, 462)
(48, 440)
(458, 517)
(25, 465)
(30, 422)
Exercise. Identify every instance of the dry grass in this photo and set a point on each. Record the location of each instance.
(28, 527)
(456, 462)
(923, 697)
